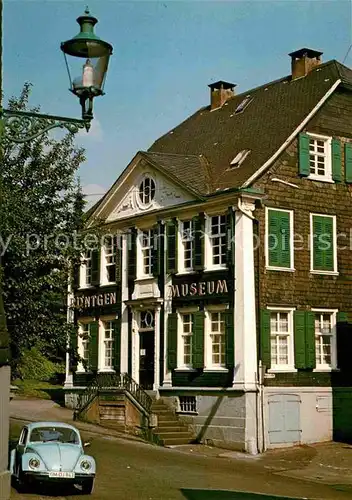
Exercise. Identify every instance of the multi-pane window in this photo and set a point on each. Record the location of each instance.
(147, 249)
(87, 263)
(146, 190)
(187, 334)
(318, 157)
(108, 344)
(187, 244)
(280, 338)
(324, 338)
(84, 334)
(217, 320)
(146, 321)
(110, 259)
(218, 239)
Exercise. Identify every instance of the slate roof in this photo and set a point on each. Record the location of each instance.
(199, 150)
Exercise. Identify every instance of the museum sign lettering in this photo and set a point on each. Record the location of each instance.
(215, 287)
(98, 300)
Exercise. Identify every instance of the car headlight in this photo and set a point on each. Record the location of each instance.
(85, 465)
(34, 463)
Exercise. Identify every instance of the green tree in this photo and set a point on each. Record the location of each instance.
(41, 214)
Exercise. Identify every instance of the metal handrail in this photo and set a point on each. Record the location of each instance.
(112, 381)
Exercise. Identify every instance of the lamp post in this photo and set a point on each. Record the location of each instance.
(20, 127)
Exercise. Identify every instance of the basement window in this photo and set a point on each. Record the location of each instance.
(187, 404)
(239, 158)
(242, 106)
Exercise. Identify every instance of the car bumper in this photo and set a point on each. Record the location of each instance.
(44, 477)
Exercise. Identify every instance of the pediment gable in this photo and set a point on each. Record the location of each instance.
(142, 188)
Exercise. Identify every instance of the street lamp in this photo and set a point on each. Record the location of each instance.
(20, 127)
(95, 54)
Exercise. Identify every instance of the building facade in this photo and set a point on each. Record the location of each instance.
(221, 282)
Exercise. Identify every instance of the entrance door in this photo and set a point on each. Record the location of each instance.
(146, 359)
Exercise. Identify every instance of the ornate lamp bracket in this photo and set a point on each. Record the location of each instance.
(20, 126)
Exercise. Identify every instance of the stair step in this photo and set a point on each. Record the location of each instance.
(170, 430)
(113, 425)
(112, 403)
(175, 441)
(167, 418)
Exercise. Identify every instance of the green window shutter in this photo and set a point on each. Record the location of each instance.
(118, 246)
(230, 341)
(336, 160)
(132, 253)
(73, 347)
(303, 148)
(93, 345)
(299, 321)
(265, 344)
(198, 339)
(172, 341)
(310, 340)
(342, 317)
(198, 242)
(279, 238)
(348, 162)
(171, 249)
(96, 266)
(156, 252)
(75, 276)
(116, 324)
(323, 243)
(230, 226)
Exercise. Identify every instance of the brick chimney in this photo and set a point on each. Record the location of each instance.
(303, 61)
(220, 92)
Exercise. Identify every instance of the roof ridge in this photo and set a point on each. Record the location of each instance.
(170, 154)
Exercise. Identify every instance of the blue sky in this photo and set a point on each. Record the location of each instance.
(165, 55)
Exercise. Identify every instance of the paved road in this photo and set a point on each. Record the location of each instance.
(130, 470)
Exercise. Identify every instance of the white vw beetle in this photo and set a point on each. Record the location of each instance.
(52, 451)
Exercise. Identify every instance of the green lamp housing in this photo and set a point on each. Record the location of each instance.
(87, 56)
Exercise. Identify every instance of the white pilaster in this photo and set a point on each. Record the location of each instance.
(135, 346)
(167, 381)
(245, 311)
(156, 348)
(124, 308)
(70, 320)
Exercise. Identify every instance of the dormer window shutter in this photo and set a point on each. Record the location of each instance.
(303, 151)
(336, 160)
(198, 242)
(171, 249)
(348, 162)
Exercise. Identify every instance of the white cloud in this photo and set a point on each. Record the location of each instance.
(95, 133)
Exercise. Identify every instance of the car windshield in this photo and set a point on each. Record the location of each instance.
(59, 434)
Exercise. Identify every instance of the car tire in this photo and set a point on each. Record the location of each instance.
(22, 485)
(88, 486)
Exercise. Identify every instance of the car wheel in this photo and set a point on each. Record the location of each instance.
(22, 485)
(88, 486)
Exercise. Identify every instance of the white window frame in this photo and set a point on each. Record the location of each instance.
(102, 344)
(311, 247)
(290, 367)
(208, 351)
(333, 366)
(208, 247)
(104, 264)
(83, 271)
(327, 177)
(140, 254)
(181, 247)
(292, 252)
(180, 334)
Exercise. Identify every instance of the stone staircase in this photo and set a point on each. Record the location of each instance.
(170, 431)
(112, 413)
